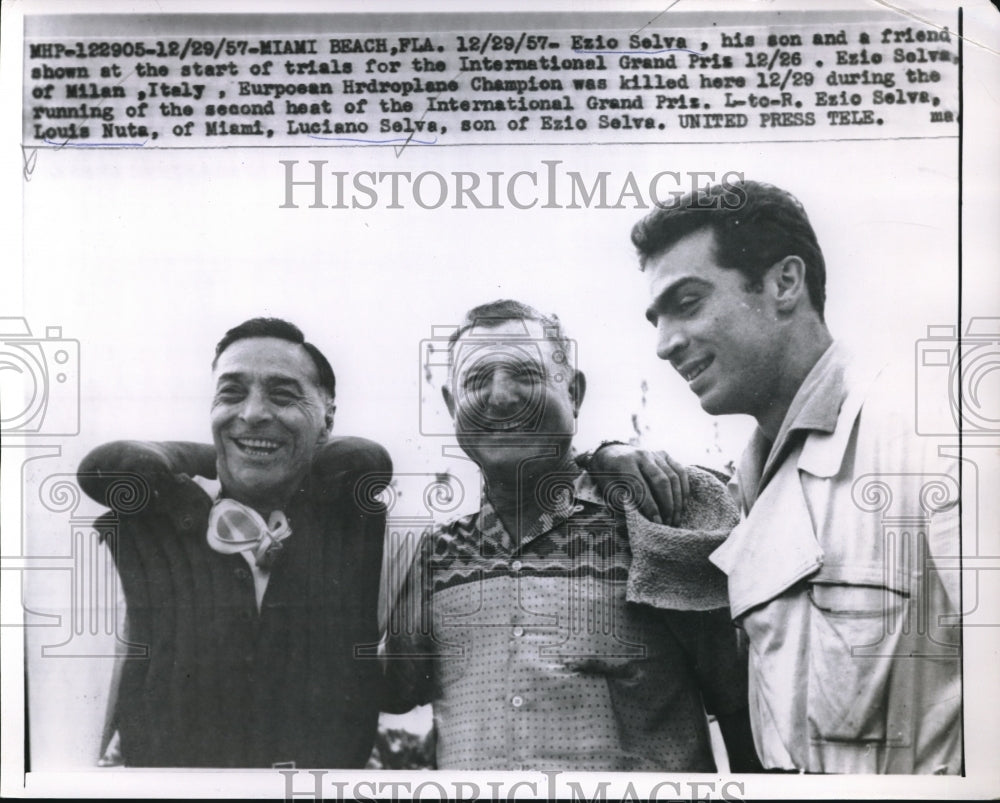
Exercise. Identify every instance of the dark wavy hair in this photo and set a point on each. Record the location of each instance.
(283, 330)
(755, 225)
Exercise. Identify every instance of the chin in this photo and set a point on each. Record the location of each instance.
(713, 405)
(257, 486)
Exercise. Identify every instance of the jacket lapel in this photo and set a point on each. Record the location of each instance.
(773, 547)
(776, 545)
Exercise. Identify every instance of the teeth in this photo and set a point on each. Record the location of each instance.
(257, 446)
(509, 426)
(693, 371)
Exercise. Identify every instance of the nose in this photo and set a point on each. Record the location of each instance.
(503, 389)
(256, 408)
(670, 339)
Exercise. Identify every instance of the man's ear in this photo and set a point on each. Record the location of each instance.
(577, 390)
(787, 282)
(328, 414)
(449, 400)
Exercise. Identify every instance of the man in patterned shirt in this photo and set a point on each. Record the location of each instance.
(517, 622)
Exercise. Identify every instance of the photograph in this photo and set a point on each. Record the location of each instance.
(512, 401)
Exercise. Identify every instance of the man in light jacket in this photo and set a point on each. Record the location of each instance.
(843, 570)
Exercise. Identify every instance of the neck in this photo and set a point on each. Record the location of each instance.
(264, 505)
(808, 345)
(512, 487)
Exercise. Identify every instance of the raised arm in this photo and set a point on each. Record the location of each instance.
(352, 459)
(354, 470)
(670, 567)
(154, 462)
(658, 485)
(163, 472)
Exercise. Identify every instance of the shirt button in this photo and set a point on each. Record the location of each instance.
(518, 631)
(516, 566)
(242, 574)
(517, 701)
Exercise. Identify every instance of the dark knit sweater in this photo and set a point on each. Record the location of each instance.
(222, 685)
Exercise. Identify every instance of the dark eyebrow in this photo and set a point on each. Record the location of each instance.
(669, 295)
(275, 380)
(285, 384)
(229, 377)
(510, 361)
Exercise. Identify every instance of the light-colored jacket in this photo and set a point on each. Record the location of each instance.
(855, 657)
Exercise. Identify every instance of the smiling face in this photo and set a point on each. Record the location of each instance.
(269, 416)
(724, 340)
(513, 394)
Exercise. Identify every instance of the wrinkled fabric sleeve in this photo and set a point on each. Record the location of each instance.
(670, 568)
(136, 476)
(355, 469)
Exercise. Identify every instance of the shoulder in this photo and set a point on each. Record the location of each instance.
(350, 453)
(902, 417)
(456, 532)
(350, 474)
(889, 439)
(355, 464)
(459, 538)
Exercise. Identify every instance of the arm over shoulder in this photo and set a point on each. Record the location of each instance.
(670, 567)
(162, 471)
(353, 467)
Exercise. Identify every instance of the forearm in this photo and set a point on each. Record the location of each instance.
(670, 568)
(719, 662)
(408, 648)
(406, 658)
(670, 564)
(407, 682)
(738, 736)
(159, 473)
(148, 459)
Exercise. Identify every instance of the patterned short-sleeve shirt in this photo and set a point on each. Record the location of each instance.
(534, 660)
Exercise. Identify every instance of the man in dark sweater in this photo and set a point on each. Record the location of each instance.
(250, 606)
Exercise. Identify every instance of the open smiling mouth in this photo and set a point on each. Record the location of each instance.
(257, 447)
(509, 426)
(498, 428)
(497, 423)
(693, 370)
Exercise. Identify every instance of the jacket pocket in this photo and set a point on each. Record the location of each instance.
(854, 631)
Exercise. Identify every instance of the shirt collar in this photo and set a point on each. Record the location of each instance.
(814, 408)
(563, 489)
(817, 403)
